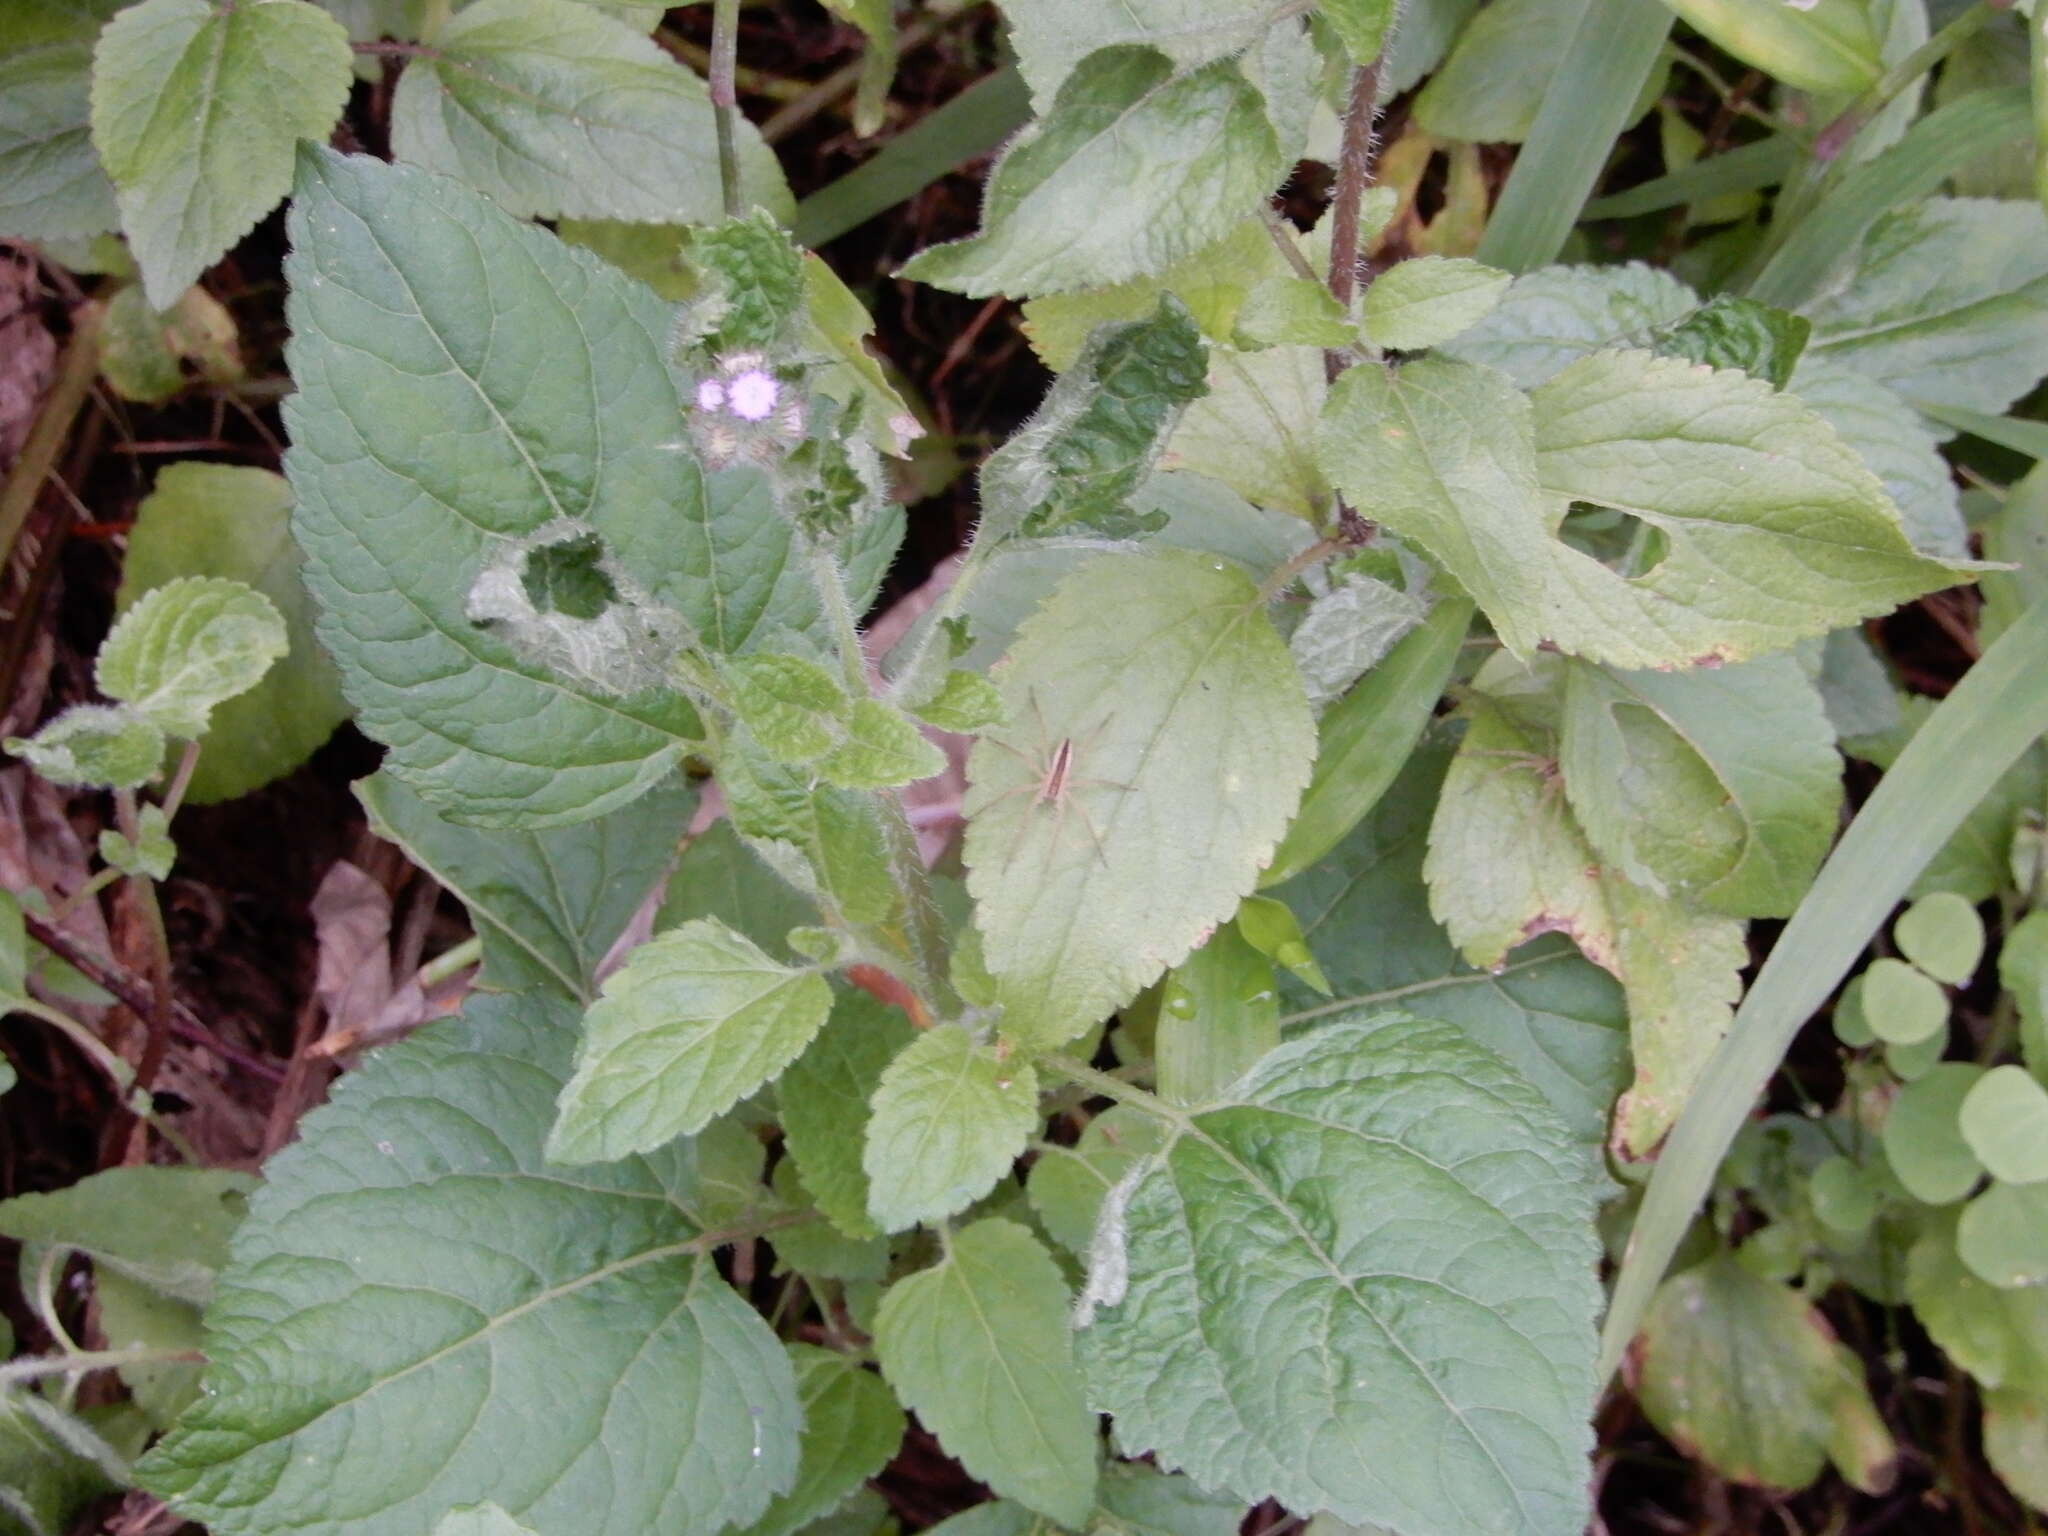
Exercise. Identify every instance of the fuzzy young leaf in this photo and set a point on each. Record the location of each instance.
(413, 1273)
(1745, 1371)
(882, 748)
(1361, 26)
(51, 184)
(1191, 154)
(852, 1427)
(750, 284)
(150, 852)
(186, 647)
(554, 108)
(1946, 301)
(1382, 1238)
(964, 701)
(1427, 301)
(1100, 431)
(1348, 630)
(695, 1020)
(950, 1117)
(1187, 741)
(793, 706)
(104, 744)
(196, 108)
(825, 841)
(826, 1103)
(978, 1346)
(548, 905)
(403, 291)
(1720, 786)
(1556, 315)
(234, 522)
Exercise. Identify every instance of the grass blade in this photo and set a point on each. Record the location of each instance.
(1745, 169)
(972, 123)
(1972, 737)
(1613, 49)
(1932, 150)
(2028, 437)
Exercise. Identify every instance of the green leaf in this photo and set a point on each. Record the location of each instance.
(413, 1273)
(1923, 1140)
(1052, 37)
(233, 522)
(852, 1427)
(1729, 332)
(1943, 935)
(151, 852)
(1349, 629)
(166, 1229)
(978, 1347)
(1362, 26)
(480, 1520)
(695, 1020)
(1287, 310)
(101, 744)
(1946, 300)
(2016, 1443)
(950, 1117)
(556, 109)
(1894, 443)
(749, 284)
(196, 108)
(548, 905)
(1429, 299)
(1555, 1017)
(825, 1105)
(1219, 1012)
(1556, 315)
(187, 646)
(882, 748)
(1269, 926)
(1679, 966)
(825, 841)
(51, 1465)
(1383, 1234)
(1998, 1336)
(1067, 1185)
(1095, 439)
(793, 706)
(1188, 740)
(1719, 786)
(1137, 1500)
(1746, 1375)
(143, 353)
(131, 1316)
(719, 876)
(403, 291)
(1492, 83)
(1254, 430)
(51, 184)
(1828, 46)
(2004, 1118)
(1192, 152)
(1903, 1006)
(877, 22)
(2003, 1235)
(964, 701)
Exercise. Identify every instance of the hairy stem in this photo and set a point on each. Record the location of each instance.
(725, 29)
(158, 1019)
(1354, 175)
(38, 1366)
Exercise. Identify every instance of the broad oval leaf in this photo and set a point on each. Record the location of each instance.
(51, 184)
(196, 107)
(164, 1228)
(950, 1117)
(404, 291)
(1191, 155)
(104, 744)
(554, 108)
(413, 1279)
(825, 1105)
(187, 646)
(978, 1346)
(1158, 741)
(852, 1427)
(1364, 1283)
(694, 1021)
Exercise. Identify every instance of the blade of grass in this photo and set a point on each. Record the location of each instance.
(1745, 169)
(1933, 149)
(1973, 736)
(2028, 437)
(972, 123)
(1612, 51)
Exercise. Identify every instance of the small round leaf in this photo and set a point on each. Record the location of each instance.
(2003, 1235)
(2005, 1121)
(1842, 1197)
(1923, 1140)
(1903, 1005)
(1910, 1063)
(1851, 1027)
(1943, 935)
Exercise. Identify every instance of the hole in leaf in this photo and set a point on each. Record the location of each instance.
(566, 578)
